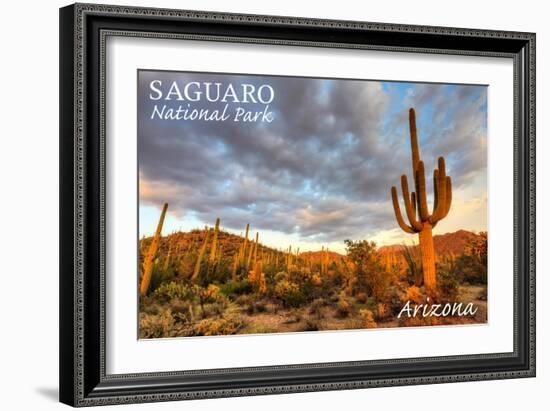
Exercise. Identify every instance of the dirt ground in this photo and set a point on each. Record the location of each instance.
(292, 320)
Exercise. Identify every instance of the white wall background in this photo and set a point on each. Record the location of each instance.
(29, 204)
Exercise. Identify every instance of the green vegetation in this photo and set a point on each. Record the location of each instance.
(211, 282)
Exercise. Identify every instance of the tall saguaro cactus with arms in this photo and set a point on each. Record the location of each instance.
(416, 206)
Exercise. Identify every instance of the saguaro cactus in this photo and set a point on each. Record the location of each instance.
(197, 269)
(214, 248)
(245, 245)
(416, 206)
(256, 275)
(149, 261)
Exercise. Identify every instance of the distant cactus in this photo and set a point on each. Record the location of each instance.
(242, 252)
(168, 257)
(151, 256)
(250, 254)
(289, 258)
(197, 270)
(256, 275)
(234, 268)
(416, 206)
(214, 248)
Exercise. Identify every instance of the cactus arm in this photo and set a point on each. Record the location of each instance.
(436, 184)
(414, 140)
(440, 194)
(421, 192)
(398, 215)
(415, 224)
(413, 202)
(449, 197)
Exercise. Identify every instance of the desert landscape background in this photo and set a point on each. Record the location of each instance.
(358, 198)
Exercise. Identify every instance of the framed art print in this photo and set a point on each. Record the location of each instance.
(259, 204)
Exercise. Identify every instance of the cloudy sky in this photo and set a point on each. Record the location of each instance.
(322, 170)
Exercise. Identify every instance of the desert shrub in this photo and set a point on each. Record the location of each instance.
(316, 307)
(447, 286)
(217, 326)
(251, 307)
(471, 266)
(149, 308)
(308, 289)
(156, 326)
(413, 259)
(414, 294)
(471, 269)
(281, 276)
(260, 307)
(168, 291)
(370, 275)
(361, 298)
(367, 319)
(316, 279)
(230, 323)
(158, 277)
(353, 323)
(383, 311)
(334, 298)
(245, 300)
(343, 307)
(213, 293)
(311, 325)
(179, 306)
(235, 288)
(289, 293)
(395, 301)
(260, 329)
(214, 309)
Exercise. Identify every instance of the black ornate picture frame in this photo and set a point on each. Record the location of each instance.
(83, 32)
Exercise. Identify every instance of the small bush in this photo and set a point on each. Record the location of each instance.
(383, 311)
(245, 300)
(343, 308)
(447, 286)
(260, 307)
(229, 324)
(281, 276)
(158, 278)
(289, 293)
(471, 269)
(311, 325)
(414, 294)
(168, 291)
(260, 329)
(361, 298)
(156, 326)
(316, 308)
(367, 319)
(149, 308)
(235, 288)
(179, 306)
